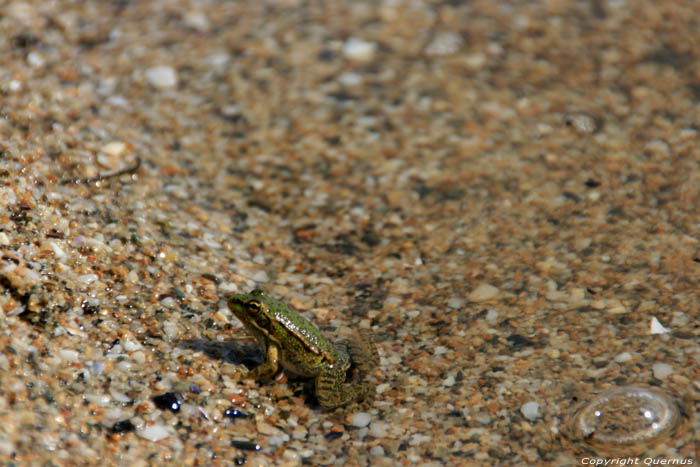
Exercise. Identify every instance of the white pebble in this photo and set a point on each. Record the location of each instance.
(623, 357)
(101, 400)
(379, 429)
(259, 276)
(657, 327)
(383, 387)
(417, 439)
(124, 366)
(483, 293)
(350, 78)
(35, 59)
(170, 329)
(114, 148)
(57, 251)
(455, 302)
(68, 355)
(376, 451)
(4, 240)
(530, 410)
(444, 44)
(162, 76)
(131, 345)
(361, 419)
(88, 278)
(661, 370)
(154, 433)
(196, 20)
(492, 316)
(356, 49)
(119, 396)
(138, 357)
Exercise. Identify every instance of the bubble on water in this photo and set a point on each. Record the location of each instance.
(627, 416)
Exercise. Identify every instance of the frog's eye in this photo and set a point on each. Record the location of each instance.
(254, 307)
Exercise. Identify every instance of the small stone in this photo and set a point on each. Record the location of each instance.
(350, 78)
(356, 49)
(616, 307)
(162, 76)
(580, 122)
(445, 43)
(483, 293)
(154, 433)
(361, 419)
(623, 357)
(68, 355)
(196, 20)
(259, 276)
(658, 148)
(170, 328)
(88, 278)
(530, 410)
(4, 240)
(376, 451)
(378, 429)
(114, 148)
(57, 250)
(657, 328)
(130, 346)
(661, 370)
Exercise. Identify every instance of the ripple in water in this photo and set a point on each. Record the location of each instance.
(627, 416)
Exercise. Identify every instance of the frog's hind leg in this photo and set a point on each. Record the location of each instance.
(331, 390)
(363, 358)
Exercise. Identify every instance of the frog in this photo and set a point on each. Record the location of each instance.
(292, 342)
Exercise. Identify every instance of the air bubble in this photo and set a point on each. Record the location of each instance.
(627, 416)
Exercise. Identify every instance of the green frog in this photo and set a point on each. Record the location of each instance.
(291, 341)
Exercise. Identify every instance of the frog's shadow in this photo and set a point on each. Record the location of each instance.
(233, 351)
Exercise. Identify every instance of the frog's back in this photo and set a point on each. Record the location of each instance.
(307, 333)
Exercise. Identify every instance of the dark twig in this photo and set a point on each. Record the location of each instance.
(98, 178)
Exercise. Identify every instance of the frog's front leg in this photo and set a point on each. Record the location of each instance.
(269, 367)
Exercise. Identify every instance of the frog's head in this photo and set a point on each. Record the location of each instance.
(252, 309)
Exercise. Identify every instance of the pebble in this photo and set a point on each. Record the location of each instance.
(196, 20)
(379, 429)
(350, 78)
(114, 148)
(445, 43)
(376, 451)
(69, 355)
(657, 328)
(162, 77)
(530, 410)
(154, 433)
(361, 419)
(623, 357)
(88, 278)
(359, 50)
(483, 293)
(661, 370)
